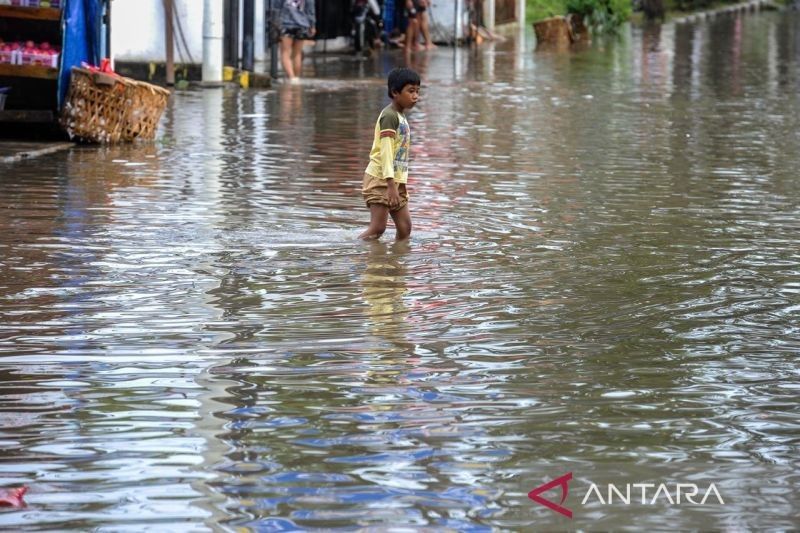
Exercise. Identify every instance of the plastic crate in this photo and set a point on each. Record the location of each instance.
(9, 57)
(32, 58)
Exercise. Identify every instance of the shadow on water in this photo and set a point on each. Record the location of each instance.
(602, 280)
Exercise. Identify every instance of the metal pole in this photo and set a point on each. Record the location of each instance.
(213, 34)
(273, 48)
(248, 35)
(457, 7)
(488, 14)
(260, 42)
(455, 23)
(170, 40)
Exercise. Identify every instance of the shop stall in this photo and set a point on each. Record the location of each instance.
(40, 42)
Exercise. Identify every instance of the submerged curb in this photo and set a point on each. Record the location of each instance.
(753, 5)
(12, 152)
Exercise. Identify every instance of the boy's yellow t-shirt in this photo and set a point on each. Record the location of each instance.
(390, 146)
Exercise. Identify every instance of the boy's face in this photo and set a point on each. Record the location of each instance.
(407, 98)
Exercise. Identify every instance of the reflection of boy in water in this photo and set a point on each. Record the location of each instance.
(384, 188)
(384, 285)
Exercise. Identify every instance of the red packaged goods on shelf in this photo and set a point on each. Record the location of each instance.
(35, 3)
(9, 53)
(38, 54)
(39, 58)
(8, 57)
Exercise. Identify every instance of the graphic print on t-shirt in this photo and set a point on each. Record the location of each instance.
(401, 157)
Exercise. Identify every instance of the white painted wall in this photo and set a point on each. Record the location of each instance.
(442, 17)
(444, 13)
(137, 30)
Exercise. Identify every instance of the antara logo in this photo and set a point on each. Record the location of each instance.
(563, 482)
(689, 491)
(627, 494)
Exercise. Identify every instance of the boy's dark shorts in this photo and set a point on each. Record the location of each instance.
(299, 34)
(375, 192)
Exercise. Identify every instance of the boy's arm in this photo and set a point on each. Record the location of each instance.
(387, 166)
(388, 124)
(387, 154)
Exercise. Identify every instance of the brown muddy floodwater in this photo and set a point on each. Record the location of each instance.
(604, 279)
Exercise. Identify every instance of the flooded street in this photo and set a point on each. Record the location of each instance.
(603, 279)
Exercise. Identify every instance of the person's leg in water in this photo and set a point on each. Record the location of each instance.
(402, 222)
(412, 33)
(424, 26)
(378, 215)
(297, 57)
(287, 47)
(417, 45)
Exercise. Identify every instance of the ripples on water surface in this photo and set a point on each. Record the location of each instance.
(603, 279)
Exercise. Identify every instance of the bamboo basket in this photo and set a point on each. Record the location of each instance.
(147, 105)
(95, 109)
(107, 109)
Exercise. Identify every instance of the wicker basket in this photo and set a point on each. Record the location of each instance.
(148, 103)
(95, 109)
(106, 108)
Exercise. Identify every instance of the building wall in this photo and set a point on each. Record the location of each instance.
(442, 20)
(137, 28)
(137, 31)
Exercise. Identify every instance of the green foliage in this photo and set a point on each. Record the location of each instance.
(582, 7)
(601, 15)
(542, 9)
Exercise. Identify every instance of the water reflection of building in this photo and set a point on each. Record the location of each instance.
(51, 226)
(653, 60)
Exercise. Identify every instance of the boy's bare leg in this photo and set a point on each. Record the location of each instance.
(378, 214)
(286, 56)
(402, 221)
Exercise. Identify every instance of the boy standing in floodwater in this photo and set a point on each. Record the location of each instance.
(386, 176)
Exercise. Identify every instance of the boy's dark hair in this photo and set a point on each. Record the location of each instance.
(399, 78)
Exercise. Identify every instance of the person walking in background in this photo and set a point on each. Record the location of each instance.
(385, 178)
(298, 23)
(424, 23)
(418, 25)
(412, 29)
